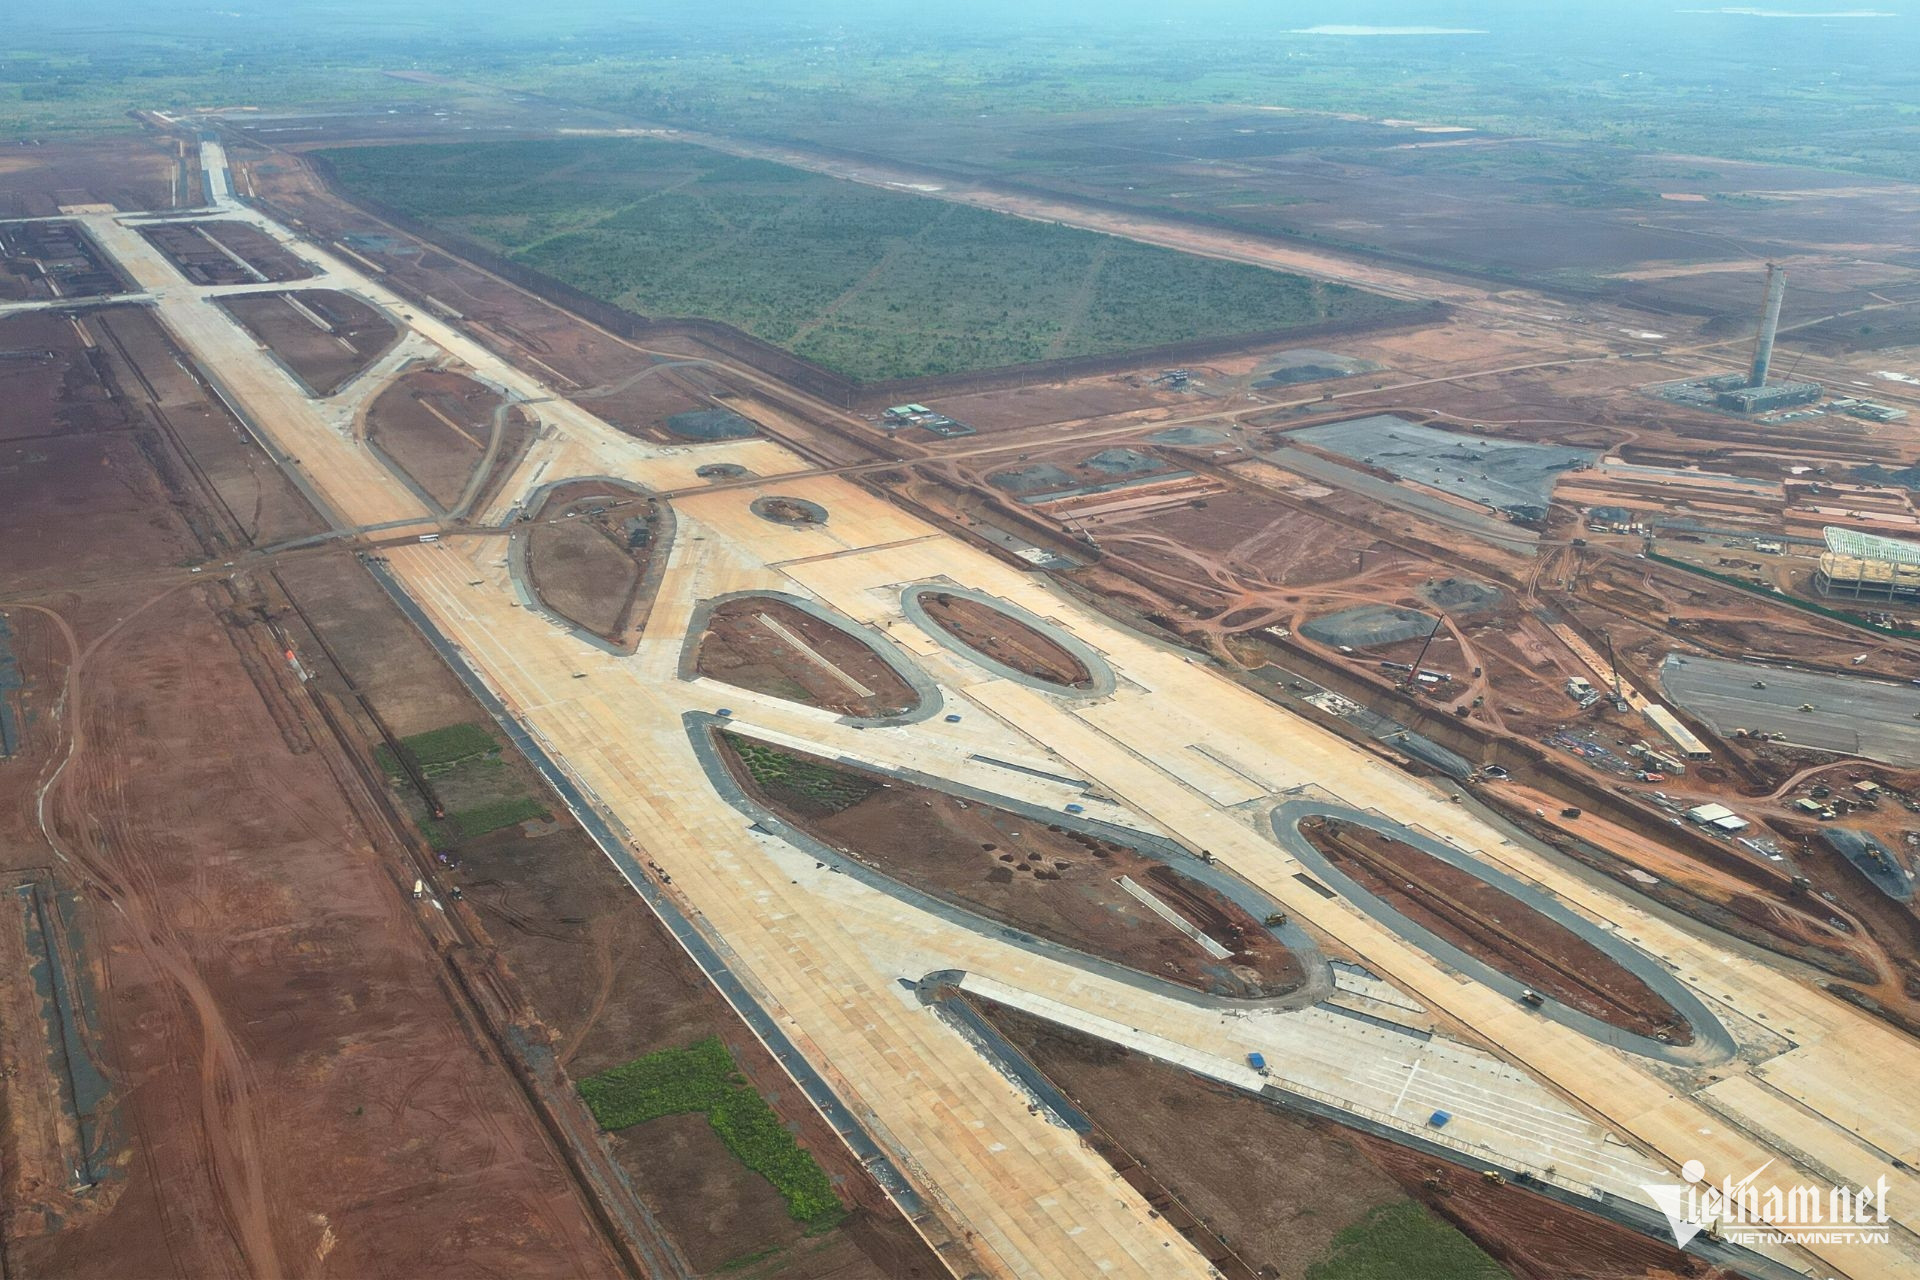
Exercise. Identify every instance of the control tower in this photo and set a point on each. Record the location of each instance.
(1769, 325)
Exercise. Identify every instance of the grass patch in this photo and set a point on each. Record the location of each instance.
(1402, 1241)
(811, 786)
(481, 819)
(874, 284)
(439, 749)
(701, 1078)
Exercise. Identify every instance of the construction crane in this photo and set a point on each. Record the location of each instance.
(1619, 699)
(1413, 672)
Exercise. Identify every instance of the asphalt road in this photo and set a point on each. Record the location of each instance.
(1856, 715)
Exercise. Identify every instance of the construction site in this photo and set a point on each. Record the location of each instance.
(1126, 816)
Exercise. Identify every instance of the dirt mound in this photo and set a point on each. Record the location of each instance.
(794, 511)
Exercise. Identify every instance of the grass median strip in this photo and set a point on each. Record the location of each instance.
(702, 1079)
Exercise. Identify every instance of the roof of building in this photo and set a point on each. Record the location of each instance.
(1870, 546)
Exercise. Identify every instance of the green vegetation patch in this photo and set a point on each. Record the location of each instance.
(1402, 1241)
(440, 749)
(481, 819)
(875, 284)
(811, 786)
(701, 1078)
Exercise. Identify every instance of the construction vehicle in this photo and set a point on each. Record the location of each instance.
(1276, 919)
(1806, 706)
(1493, 1177)
(419, 889)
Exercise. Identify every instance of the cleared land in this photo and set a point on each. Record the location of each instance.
(1059, 884)
(129, 171)
(1493, 927)
(436, 426)
(1497, 205)
(43, 260)
(588, 554)
(225, 253)
(289, 1076)
(771, 647)
(873, 284)
(1005, 639)
(324, 337)
(105, 401)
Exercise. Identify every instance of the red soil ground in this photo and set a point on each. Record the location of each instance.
(1005, 639)
(1496, 928)
(1046, 880)
(205, 252)
(1281, 1186)
(325, 337)
(744, 646)
(435, 424)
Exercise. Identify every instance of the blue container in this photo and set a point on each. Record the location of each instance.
(1439, 1119)
(1258, 1061)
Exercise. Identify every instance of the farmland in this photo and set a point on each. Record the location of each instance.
(873, 284)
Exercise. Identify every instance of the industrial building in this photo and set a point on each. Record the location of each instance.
(1867, 566)
(918, 415)
(1871, 410)
(1717, 817)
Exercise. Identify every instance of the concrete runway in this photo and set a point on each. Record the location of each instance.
(1853, 715)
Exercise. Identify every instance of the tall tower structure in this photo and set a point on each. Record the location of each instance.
(1769, 323)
